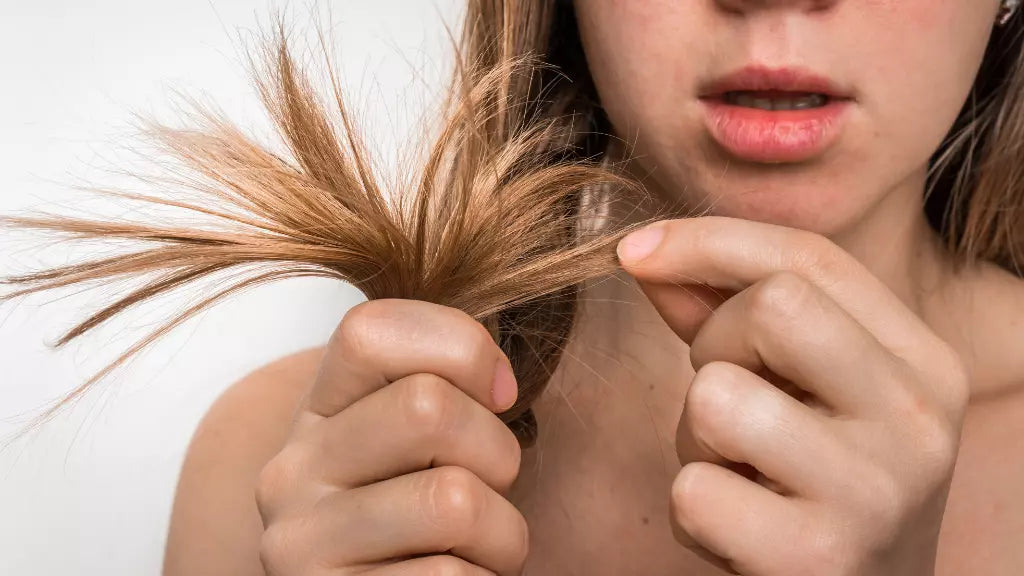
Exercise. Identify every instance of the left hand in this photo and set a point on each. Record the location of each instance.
(849, 474)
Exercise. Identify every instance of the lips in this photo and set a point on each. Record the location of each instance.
(774, 115)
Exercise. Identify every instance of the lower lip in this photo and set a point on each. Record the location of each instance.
(774, 136)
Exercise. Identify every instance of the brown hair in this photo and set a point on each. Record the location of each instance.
(975, 194)
(491, 225)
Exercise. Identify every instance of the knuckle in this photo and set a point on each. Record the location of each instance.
(686, 497)
(954, 381)
(711, 394)
(936, 443)
(279, 477)
(511, 464)
(690, 514)
(356, 328)
(454, 501)
(883, 502)
(477, 345)
(780, 297)
(932, 434)
(522, 545)
(427, 400)
(467, 343)
(958, 393)
(826, 551)
(483, 335)
(278, 550)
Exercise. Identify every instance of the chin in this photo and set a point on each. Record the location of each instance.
(825, 210)
(813, 196)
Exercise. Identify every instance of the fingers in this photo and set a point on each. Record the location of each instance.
(398, 452)
(441, 510)
(381, 341)
(746, 525)
(733, 415)
(732, 254)
(788, 325)
(418, 422)
(685, 307)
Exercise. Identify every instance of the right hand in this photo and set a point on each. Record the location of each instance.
(397, 464)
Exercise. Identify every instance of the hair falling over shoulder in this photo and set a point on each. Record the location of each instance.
(489, 224)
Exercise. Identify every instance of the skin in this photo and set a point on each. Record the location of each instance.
(800, 383)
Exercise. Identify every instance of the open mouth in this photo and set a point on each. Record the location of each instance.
(773, 100)
(774, 115)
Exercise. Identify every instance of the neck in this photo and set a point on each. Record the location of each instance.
(896, 243)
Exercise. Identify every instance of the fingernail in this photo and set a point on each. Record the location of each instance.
(504, 389)
(639, 245)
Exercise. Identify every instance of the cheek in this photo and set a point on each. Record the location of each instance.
(923, 65)
(644, 56)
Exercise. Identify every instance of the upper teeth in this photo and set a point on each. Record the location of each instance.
(749, 100)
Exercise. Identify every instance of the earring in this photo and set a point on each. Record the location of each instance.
(1006, 11)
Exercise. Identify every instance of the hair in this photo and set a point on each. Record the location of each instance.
(975, 194)
(491, 222)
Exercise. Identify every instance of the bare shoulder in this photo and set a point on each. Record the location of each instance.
(983, 318)
(984, 521)
(1000, 307)
(215, 527)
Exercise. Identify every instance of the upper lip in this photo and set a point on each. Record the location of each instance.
(767, 79)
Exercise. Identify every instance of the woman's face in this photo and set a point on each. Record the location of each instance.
(806, 113)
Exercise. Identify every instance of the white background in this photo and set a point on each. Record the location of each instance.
(90, 492)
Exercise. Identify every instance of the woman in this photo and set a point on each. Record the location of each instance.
(850, 407)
